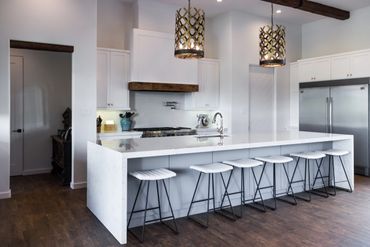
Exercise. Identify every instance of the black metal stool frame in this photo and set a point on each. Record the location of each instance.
(332, 169)
(160, 219)
(243, 201)
(215, 210)
(273, 186)
(307, 178)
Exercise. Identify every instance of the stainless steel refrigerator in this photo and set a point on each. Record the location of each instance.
(339, 107)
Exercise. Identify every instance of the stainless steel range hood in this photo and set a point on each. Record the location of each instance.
(163, 87)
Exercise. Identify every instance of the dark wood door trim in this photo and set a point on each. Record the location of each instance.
(40, 46)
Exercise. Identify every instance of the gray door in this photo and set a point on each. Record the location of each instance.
(313, 109)
(350, 116)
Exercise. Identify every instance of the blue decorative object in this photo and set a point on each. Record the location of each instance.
(126, 124)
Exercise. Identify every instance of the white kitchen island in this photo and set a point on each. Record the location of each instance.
(110, 191)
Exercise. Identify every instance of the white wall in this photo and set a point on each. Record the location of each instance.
(330, 36)
(68, 22)
(47, 94)
(115, 23)
(153, 15)
(237, 37)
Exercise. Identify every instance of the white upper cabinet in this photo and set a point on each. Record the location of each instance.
(209, 87)
(354, 65)
(340, 67)
(336, 67)
(112, 79)
(314, 70)
(153, 60)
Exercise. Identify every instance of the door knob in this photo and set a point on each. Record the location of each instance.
(18, 131)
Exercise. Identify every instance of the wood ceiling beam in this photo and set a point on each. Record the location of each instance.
(313, 7)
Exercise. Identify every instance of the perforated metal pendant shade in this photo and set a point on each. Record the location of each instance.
(272, 44)
(189, 33)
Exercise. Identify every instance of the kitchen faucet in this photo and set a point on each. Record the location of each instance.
(221, 128)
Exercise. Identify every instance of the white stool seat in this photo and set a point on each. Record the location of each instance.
(309, 155)
(275, 159)
(155, 174)
(336, 152)
(212, 168)
(243, 163)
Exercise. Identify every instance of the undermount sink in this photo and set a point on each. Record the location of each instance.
(211, 135)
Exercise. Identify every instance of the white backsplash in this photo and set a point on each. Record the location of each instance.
(152, 113)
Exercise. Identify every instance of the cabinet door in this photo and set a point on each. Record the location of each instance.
(209, 87)
(306, 71)
(314, 70)
(340, 67)
(118, 94)
(322, 70)
(360, 65)
(102, 78)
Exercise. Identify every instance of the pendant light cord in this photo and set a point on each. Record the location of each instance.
(272, 15)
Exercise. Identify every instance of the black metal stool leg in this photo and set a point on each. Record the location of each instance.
(195, 191)
(345, 173)
(304, 180)
(159, 202)
(318, 191)
(175, 230)
(133, 207)
(141, 238)
(274, 185)
(288, 191)
(258, 190)
(228, 197)
(213, 193)
(226, 193)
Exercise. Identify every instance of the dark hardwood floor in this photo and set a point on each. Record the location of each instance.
(42, 213)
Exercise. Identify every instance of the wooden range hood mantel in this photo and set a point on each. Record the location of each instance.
(163, 87)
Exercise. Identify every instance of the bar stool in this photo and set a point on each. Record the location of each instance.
(211, 170)
(275, 160)
(243, 164)
(148, 176)
(307, 157)
(332, 153)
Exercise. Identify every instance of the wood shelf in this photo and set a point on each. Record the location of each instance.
(163, 87)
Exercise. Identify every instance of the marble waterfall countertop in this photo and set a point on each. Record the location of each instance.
(149, 147)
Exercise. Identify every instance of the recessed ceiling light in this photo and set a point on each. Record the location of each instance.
(219, 1)
(278, 11)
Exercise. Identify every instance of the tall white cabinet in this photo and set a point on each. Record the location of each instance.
(113, 68)
(209, 87)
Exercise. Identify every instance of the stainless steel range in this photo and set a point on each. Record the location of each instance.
(166, 131)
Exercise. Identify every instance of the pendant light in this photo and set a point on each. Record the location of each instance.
(272, 44)
(189, 33)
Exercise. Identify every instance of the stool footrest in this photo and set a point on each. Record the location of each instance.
(142, 210)
(163, 218)
(203, 200)
(266, 187)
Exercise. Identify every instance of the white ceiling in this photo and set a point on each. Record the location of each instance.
(260, 8)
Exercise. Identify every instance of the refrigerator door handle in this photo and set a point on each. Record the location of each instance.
(330, 115)
(327, 115)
